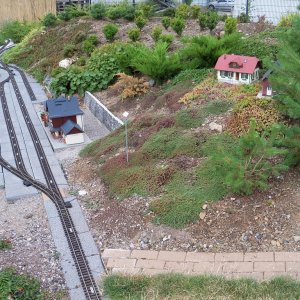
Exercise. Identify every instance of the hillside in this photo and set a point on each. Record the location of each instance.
(202, 175)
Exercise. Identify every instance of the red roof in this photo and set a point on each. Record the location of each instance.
(244, 64)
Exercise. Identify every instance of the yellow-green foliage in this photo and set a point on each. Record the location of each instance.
(287, 21)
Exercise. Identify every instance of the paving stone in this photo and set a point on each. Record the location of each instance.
(88, 244)
(252, 275)
(287, 256)
(196, 257)
(96, 266)
(77, 294)
(2, 185)
(186, 267)
(238, 267)
(293, 266)
(172, 255)
(269, 266)
(78, 217)
(150, 264)
(121, 263)
(272, 275)
(208, 268)
(127, 271)
(260, 256)
(229, 257)
(116, 253)
(152, 272)
(144, 254)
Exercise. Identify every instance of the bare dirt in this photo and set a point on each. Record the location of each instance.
(262, 222)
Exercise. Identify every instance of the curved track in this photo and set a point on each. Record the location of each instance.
(51, 189)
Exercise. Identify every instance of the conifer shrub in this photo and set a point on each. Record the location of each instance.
(134, 34)
(157, 62)
(72, 11)
(69, 50)
(195, 11)
(120, 10)
(145, 9)
(156, 33)
(110, 30)
(230, 25)
(178, 25)
(183, 11)
(167, 38)
(166, 22)
(140, 22)
(169, 12)
(98, 11)
(49, 20)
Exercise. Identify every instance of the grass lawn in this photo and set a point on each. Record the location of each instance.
(175, 286)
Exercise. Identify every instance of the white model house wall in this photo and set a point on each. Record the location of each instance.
(79, 121)
(75, 138)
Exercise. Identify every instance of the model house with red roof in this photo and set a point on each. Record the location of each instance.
(237, 69)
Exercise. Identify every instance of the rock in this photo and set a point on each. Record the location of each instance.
(202, 215)
(65, 63)
(296, 238)
(82, 193)
(151, 82)
(216, 127)
(28, 216)
(204, 206)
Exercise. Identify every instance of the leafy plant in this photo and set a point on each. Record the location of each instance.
(120, 10)
(166, 38)
(71, 11)
(146, 9)
(243, 18)
(230, 25)
(178, 25)
(98, 10)
(134, 34)
(195, 11)
(88, 46)
(69, 50)
(49, 20)
(129, 86)
(183, 11)
(287, 20)
(156, 33)
(140, 22)
(249, 165)
(5, 244)
(166, 22)
(157, 62)
(14, 30)
(169, 12)
(110, 30)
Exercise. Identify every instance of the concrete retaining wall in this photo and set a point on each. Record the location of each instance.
(101, 112)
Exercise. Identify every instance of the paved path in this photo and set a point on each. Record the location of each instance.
(260, 266)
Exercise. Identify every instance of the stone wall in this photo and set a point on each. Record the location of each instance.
(101, 112)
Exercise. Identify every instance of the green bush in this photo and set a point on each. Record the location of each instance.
(169, 12)
(248, 165)
(156, 33)
(110, 30)
(195, 11)
(71, 11)
(140, 22)
(166, 22)
(230, 25)
(203, 51)
(183, 11)
(20, 287)
(14, 30)
(121, 10)
(208, 20)
(157, 62)
(88, 47)
(80, 37)
(98, 11)
(49, 20)
(287, 21)
(243, 18)
(69, 50)
(134, 34)
(81, 61)
(167, 38)
(145, 9)
(178, 25)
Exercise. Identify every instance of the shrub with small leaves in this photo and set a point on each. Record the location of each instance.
(167, 38)
(156, 33)
(129, 86)
(202, 20)
(243, 18)
(69, 50)
(178, 25)
(89, 45)
(81, 61)
(98, 11)
(110, 30)
(208, 20)
(79, 37)
(140, 22)
(169, 12)
(195, 10)
(230, 25)
(287, 20)
(145, 9)
(166, 22)
(134, 34)
(49, 20)
(183, 11)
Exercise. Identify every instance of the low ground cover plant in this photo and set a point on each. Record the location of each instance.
(110, 30)
(134, 34)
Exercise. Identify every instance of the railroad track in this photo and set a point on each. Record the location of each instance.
(51, 188)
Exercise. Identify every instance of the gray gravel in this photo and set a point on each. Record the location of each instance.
(33, 252)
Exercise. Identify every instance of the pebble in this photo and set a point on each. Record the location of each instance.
(296, 238)
(202, 215)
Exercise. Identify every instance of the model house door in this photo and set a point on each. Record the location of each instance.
(237, 76)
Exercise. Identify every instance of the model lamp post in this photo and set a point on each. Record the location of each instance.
(125, 115)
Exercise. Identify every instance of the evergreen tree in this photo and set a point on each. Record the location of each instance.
(286, 83)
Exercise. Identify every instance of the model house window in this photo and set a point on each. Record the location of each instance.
(244, 76)
(269, 88)
(230, 74)
(225, 74)
(252, 76)
(222, 74)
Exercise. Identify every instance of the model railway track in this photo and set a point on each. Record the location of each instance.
(51, 188)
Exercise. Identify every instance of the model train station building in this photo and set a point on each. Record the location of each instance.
(237, 69)
(65, 119)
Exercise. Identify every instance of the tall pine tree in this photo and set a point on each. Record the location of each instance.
(286, 83)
